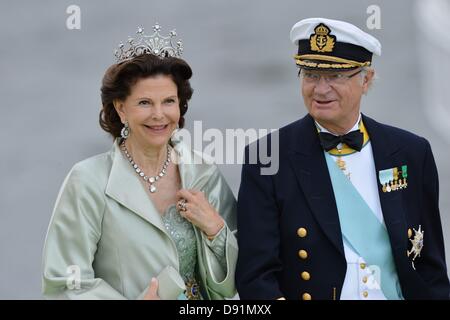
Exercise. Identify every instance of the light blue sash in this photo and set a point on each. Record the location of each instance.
(363, 231)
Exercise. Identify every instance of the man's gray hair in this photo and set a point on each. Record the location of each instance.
(364, 72)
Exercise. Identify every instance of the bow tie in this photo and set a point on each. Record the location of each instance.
(353, 139)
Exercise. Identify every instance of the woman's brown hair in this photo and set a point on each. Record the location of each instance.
(120, 78)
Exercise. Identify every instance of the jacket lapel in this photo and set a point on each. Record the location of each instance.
(312, 174)
(125, 188)
(386, 155)
(194, 168)
(308, 162)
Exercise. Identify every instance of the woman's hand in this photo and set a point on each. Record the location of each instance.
(199, 211)
(152, 291)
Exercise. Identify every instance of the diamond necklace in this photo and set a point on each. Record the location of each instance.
(150, 180)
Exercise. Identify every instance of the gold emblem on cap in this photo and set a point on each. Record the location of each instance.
(321, 41)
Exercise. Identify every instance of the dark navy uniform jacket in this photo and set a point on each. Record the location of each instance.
(288, 222)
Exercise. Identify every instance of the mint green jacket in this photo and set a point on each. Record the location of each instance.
(106, 240)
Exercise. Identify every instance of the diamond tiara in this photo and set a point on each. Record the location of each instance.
(156, 44)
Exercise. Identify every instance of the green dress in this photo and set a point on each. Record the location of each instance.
(183, 234)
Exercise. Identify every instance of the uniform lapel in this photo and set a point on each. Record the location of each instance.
(124, 187)
(308, 162)
(386, 155)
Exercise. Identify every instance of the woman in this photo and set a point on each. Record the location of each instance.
(145, 208)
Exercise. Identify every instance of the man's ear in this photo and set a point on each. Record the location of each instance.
(367, 81)
(118, 105)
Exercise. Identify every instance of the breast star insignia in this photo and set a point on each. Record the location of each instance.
(417, 245)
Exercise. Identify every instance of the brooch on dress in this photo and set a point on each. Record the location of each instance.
(192, 290)
(417, 245)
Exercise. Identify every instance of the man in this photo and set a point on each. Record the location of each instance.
(352, 212)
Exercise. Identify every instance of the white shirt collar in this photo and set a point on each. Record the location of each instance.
(355, 126)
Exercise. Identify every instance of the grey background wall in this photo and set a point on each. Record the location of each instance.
(244, 77)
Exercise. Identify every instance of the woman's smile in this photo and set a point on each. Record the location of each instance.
(157, 129)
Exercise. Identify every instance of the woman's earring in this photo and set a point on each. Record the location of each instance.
(125, 133)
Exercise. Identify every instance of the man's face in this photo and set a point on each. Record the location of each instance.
(334, 97)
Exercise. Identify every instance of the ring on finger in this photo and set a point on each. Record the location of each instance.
(182, 205)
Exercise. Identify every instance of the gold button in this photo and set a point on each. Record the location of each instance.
(303, 254)
(306, 276)
(306, 296)
(362, 265)
(302, 232)
(365, 294)
(364, 279)
(409, 233)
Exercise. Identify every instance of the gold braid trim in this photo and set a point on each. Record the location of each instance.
(341, 63)
(330, 58)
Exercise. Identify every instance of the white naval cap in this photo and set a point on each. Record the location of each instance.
(332, 44)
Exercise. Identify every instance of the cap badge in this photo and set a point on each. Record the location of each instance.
(321, 41)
